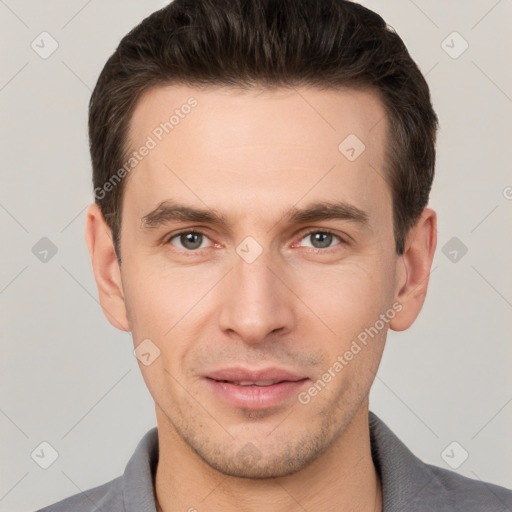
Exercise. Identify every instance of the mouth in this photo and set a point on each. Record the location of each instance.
(255, 389)
(262, 383)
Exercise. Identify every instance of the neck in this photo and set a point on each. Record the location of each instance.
(342, 479)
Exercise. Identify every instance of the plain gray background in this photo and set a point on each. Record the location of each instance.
(71, 380)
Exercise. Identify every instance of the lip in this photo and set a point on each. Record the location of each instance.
(239, 374)
(288, 385)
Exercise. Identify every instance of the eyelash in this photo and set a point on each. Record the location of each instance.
(304, 235)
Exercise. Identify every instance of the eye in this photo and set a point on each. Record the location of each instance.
(189, 240)
(321, 239)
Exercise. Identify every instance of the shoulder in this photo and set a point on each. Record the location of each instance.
(131, 491)
(409, 484)
(108, 496)
(469, 495)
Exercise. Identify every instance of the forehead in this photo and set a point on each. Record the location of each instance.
(261, 113)
(254, 150)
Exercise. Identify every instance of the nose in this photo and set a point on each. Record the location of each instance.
(257, 301)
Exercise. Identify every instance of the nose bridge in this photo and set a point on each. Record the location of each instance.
(254, 281)
(256, 301)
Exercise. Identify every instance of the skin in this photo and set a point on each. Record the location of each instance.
(251, 156)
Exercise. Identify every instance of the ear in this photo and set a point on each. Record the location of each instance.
(413, 269)
(106, 268)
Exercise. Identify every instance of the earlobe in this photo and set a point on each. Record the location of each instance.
(414, 269)
(106, 268)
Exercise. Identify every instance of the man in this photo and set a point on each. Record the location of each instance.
(262, 171)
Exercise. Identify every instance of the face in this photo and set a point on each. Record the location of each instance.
(255, 250)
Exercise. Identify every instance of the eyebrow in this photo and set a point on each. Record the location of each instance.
(171, 211)
(337, 210)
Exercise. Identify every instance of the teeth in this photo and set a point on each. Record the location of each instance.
(259, 383)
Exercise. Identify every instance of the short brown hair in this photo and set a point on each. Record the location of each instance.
(268, 43)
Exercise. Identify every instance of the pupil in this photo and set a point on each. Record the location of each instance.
(191, 240)
(322, 240)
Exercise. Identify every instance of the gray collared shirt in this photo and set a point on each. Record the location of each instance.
(408, 484)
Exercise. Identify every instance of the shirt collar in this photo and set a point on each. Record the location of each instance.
(138, 477)
(407, 482)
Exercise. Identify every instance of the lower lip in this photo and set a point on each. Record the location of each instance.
(256, 397)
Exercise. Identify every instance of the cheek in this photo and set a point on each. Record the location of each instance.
(346, 297)
(158, 295)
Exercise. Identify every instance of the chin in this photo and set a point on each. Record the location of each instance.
(252, 462)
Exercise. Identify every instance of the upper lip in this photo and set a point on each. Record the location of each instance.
(238, 374)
